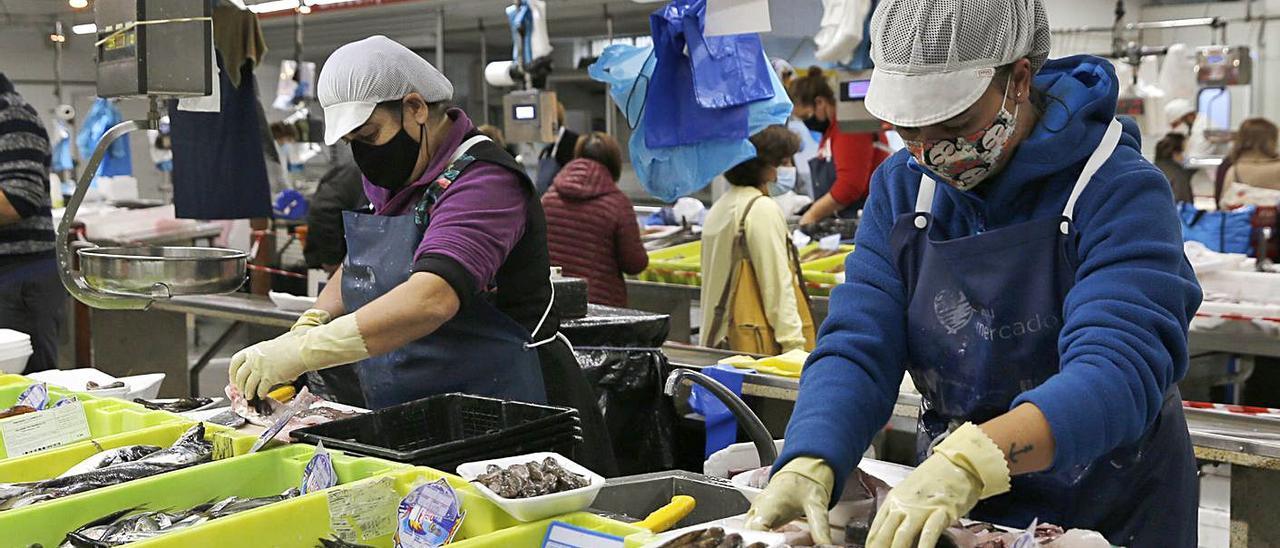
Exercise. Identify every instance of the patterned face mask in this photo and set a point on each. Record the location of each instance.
(965, 161)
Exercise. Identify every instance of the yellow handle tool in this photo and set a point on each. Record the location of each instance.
(283, 394)
(663, 518)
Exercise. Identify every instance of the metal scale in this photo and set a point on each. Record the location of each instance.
(154, 49)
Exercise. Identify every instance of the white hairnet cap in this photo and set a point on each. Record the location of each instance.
(359, 75)
(934, 58)
(1177, 108)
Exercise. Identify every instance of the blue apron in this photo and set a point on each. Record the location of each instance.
(480, 351)
(983, 318)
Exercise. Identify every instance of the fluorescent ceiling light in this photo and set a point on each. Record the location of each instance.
(327, 2)
(77, 4)
(87, 28)
(274, 5)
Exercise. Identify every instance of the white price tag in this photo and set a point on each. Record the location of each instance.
(563, 535)
(799, 238)
(26, 434)
(725, 17)
(363, 510)
(830, 243)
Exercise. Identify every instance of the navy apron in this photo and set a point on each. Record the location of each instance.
(983, 317)
(480, 351)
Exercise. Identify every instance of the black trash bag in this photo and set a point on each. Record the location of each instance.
(638, 416)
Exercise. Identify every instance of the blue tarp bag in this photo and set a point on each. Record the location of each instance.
(1221, 231)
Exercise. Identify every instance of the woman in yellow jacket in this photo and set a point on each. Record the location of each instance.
(768, 244)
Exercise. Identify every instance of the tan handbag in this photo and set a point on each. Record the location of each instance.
(749, 329)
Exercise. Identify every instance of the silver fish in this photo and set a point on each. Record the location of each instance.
(128, 453)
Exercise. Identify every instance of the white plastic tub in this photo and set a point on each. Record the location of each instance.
(16, 364)
(542, 507)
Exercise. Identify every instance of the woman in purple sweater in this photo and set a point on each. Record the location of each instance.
(446, 286)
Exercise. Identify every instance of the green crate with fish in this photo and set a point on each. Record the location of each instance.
(35, 418)
(271, 498)
(58, 461)
(824, 273)
(680, 264)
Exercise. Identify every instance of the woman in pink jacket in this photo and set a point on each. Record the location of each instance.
(591, 226)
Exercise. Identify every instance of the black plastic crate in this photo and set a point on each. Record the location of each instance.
(444, 425)
(567, 446)
(539, 440)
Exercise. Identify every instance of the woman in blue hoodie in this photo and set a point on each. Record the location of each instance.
(1023, 262)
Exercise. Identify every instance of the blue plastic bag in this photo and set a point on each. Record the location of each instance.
(672, 172)
(672, 113)
(721, 425)
(727, 70)
(521, 17)
(627, 70)
(1221, 231)
(773, 111)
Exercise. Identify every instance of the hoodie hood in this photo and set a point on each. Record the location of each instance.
(583, 179)
(1081, 102)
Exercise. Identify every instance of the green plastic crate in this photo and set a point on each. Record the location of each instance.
(107, 417)
(817, 280)
(53, 462)
(532, 534)
(302, 521)
(297, 522)
(680, 264)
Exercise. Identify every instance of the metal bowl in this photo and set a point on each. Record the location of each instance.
(163, 271)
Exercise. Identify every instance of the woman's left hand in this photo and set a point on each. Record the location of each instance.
(964, 468)
(261, 367)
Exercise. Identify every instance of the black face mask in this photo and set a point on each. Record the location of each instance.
(390, 164)
(814, 124)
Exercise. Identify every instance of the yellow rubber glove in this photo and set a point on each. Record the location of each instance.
(802, 487)
(965, 468)
(313, 317)
(261, 367)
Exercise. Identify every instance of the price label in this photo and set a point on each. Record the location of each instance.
(53, 427)
(363, 510)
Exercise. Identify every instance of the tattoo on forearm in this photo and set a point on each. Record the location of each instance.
(1014, 451)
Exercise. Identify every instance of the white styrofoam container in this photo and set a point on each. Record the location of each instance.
(10, 337)
(14, 365)
(541, 507)
(145, 386)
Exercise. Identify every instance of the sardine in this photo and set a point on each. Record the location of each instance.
(339, 543)
(190, 449)
(118, 529)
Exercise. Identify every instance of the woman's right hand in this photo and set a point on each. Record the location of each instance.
(801, 488)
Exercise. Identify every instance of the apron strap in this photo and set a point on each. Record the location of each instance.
(457, 162)
(924, 200)
(1100, 155)
(465, 146)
